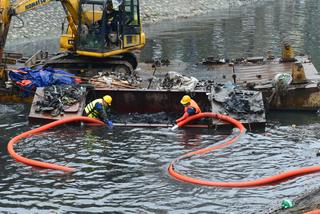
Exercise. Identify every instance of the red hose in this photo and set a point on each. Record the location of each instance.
(313, 212)
(41, 164)
(253, 183)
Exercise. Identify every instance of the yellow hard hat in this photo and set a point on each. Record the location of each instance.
(185, 99)
(107, 99)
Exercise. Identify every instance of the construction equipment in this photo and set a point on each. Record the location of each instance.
(100, 33)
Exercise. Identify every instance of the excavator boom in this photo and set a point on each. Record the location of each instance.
(5, 19)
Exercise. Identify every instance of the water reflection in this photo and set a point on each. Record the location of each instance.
(190, 139)
(238, 33)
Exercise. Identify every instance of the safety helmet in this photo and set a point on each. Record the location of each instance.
(185, 99)
(107, 99)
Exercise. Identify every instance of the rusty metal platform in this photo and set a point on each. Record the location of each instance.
(72, 111)
(154, 101)
(256, 74)
(259, 73)
(259, 76)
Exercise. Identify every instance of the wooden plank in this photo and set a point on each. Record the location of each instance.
(13, 55)
(10, 61)
(39, 55)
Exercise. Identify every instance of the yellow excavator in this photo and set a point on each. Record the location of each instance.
(99, 32)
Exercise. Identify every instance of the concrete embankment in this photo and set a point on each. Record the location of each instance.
(46, 21)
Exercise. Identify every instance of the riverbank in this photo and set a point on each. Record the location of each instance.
(46, 21)
(157, 10)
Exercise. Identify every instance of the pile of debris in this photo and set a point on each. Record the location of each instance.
(232, 101)
(176, 81)
(115, 80)
(206, 85)
(212, 60)
(58, 98)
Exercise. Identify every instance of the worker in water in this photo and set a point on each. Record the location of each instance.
(99, 109)
(190, 108)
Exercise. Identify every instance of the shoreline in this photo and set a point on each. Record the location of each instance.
(161, 10)
(46, 21)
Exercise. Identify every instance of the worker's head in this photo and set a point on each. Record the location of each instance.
(186, 99)
(114, 5)
(107, 99)
(110, 7)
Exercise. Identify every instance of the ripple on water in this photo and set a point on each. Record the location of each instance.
(125, 170)
(130, 168)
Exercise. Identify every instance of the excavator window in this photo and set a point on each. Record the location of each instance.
(93, 27)
(132, 12)
(131, 29)
(108, 25)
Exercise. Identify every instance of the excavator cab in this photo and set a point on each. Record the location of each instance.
(93, 27)
(108, 27)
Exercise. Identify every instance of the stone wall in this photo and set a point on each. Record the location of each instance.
(46, 21)
(155, 10)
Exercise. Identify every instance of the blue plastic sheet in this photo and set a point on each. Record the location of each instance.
(40, 78)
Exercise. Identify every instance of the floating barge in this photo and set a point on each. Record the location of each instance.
(254, 77)
(258, 73)
(141, 101)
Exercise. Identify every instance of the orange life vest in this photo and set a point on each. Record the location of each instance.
(193, 105)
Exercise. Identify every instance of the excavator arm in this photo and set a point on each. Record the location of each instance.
(7, 10)
(5, 19)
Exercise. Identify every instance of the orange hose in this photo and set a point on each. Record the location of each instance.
(313, 212)
(253, 183)
(41, 164)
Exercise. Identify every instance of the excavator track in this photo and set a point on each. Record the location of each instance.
(122, 63)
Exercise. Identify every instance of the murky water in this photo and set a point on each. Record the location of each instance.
(239, 33)
(125, 170)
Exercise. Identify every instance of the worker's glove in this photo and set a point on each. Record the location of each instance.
(108, 123)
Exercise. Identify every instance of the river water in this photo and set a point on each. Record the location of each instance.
(125, 170)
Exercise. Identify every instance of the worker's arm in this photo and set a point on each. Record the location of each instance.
(9, 9)
(184, 116)
(103, 114)
(190, 111)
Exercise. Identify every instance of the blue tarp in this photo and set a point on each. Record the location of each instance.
(40, 77)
